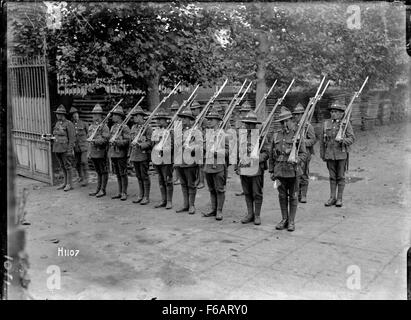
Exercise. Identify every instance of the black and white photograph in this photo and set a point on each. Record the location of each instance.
(206, 151)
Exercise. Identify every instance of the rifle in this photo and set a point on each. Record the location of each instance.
(264, 98)
(235, 102)
(347, 114)
(200, 118)
(127, 118)
(302, 124)
(252, 170)
(147, 122)
(91, 138)
(164, 138)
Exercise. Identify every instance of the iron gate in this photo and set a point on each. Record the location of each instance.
(28, 96)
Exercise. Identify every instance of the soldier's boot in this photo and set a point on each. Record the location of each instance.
(238, 194)
(79, 173)
(284, 214)
(303, 197)
(99, 181)
(333, 187)
(185, 206)
(292, 213)
(257, 211)
(213, 204)
(140, 191)
(120, 186)
(69, 181)
(191, 201)
(201, 179)
(124, 186)
(63, 185)
(146, 197)
(169, 197)
(163, 201)
(104, 180)
(220, 204)
(85, 177)
(250, 210)
(339, 202)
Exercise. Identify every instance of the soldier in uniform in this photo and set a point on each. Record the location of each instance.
(284, 171)
(310, 141)
(98, 151)
(140, 155)
(216, 172)
(196, 109)
(118, 152)
(174, 109)
(80, 147)
(336, 153)
(187, 173)
(63, 146)
(253, 185)
(165, 170)
(239, 124)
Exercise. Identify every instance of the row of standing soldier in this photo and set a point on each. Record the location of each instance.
(291, 178)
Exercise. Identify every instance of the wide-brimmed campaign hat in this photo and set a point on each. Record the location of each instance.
(251, 117)
(195, 105)
(284, 114)
(175, 105)
(139, 110)
(186, 114)
(118, 110)
(73, 110)
(338, 106)
(298, 109)
(245, 107)
(214, 115)
(97, 109)
(61, 110)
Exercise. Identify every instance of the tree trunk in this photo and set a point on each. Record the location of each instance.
(261, 89)
(153, 94)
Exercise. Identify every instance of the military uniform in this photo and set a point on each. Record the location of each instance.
(286, 173)
(196, 109)
(80, 148)
(239, 124)
(118, 151)
(336, 154)
(216, 174)
(174, 108)
(140, 155)
(165, 171)
(253, 185)
(63, 147)
(97, 152)
(187, 173)
(309, 141)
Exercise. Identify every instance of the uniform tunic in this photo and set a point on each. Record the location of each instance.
(97, 150)
(118, 151)
(140, 154)
(310, 141)
(80, 146)
(63, 145)
(287, 173)
(333, 152)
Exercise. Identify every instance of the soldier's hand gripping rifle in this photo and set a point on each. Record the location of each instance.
(150, 117)
(100, 125)
(347, 114)
(301, 127)
(249, 171)
(126, 119)
(257, 108)
(160, 145)
(200, 118)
